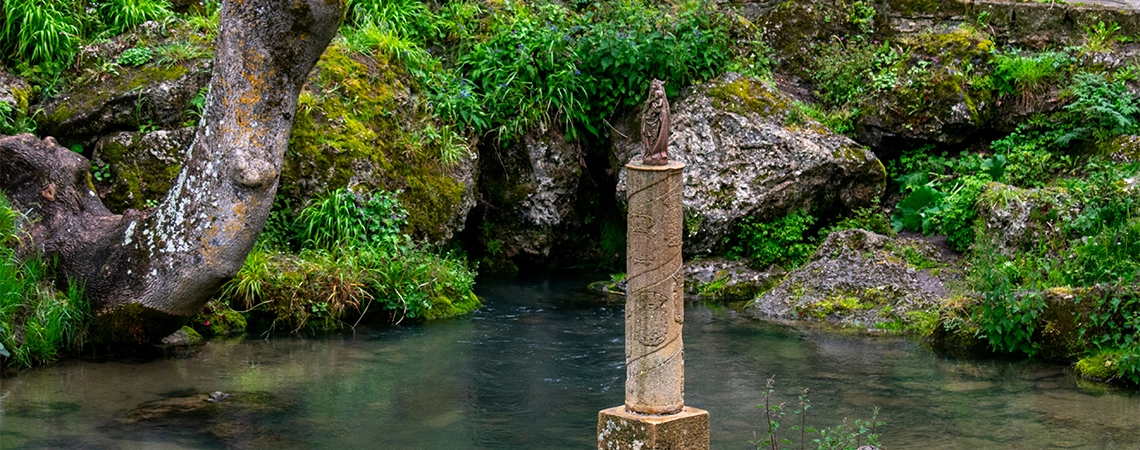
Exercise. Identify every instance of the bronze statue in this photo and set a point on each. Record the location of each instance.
(655, 125)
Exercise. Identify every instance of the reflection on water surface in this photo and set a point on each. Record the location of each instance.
(531, 370)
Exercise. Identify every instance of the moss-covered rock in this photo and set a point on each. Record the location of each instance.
(14, 91)
(361, 123)
(1101, 366)
(938, 95)
(184, 337)
(218, 319)
(1124, 149)
(103, 96)
(134, 170)
(861, 278)
(725, 280)
(743, 159)
(442, 307)
(1013, 219)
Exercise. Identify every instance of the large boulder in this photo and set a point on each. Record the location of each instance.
(934, 98)
(361, 123)
(744, 157)
(530, 188)
(861, 278)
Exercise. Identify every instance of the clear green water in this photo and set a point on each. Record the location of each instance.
(530, 371)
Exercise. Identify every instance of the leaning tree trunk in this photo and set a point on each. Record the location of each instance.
(145, 273)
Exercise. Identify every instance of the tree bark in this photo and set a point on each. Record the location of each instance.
(146, 273)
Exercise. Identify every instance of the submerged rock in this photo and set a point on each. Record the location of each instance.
(217, 419)
(184, 337)
(743, 159)
(862, 278)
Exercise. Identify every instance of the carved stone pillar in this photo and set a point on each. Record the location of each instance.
(654, 416)
(654, 306)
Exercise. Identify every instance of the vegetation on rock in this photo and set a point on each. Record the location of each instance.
(340, 257)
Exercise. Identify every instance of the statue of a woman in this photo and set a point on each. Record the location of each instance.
(655, 125)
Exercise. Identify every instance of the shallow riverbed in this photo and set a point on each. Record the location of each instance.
(531, 370)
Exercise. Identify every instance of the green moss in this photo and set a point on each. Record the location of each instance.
(442, 307)
(218, 319)
(833, 305)
(848, 153)
(136, 180)
(1100, 366)
(916, 257)
(748, 96)
(84, 98)
(351, 129)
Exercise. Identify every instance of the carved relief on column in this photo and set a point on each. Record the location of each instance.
(655, 301)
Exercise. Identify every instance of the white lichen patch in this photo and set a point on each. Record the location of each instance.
(127, 235)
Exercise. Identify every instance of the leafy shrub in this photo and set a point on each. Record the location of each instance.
(943, 193)
(781, 241)
(1101, 109)
(541, 64)
(870, 218)
(134, 56)
(845, 70)
(1100, 37)
(1032, 154)
(1006, 316)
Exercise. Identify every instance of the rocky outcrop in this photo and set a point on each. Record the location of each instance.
(1032, 24)
(744, 158)
(134, 170)
(936, 93)
(862, 278)
(123, 97)
(530, 188)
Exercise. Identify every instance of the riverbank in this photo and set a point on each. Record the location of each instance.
(544, 351)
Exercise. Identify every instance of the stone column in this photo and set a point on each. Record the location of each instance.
(654, 416)
(655, 303)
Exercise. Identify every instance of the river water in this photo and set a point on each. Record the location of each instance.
(531, 370)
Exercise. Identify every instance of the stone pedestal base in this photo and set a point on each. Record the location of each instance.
(619, 429)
